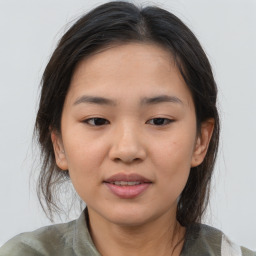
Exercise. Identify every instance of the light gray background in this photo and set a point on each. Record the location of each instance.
(226, 28)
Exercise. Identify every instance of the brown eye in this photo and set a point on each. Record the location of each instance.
(96, 121)
(160, 121)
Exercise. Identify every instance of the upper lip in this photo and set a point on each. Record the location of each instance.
(127, 177)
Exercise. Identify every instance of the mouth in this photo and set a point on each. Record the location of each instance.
(126, 183)
(123, 179)
(127, 186)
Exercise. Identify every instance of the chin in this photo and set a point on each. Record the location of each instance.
(129, 216)
(129, 220)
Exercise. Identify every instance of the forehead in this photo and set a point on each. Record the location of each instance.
(129, 69)
(117, 56)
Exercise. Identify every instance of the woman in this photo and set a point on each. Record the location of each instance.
(128, 114)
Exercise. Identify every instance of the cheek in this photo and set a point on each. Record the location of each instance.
(173, 161)
(84, 160)
(84, 156)
(175, 151)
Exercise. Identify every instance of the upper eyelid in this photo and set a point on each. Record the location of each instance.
(91, 118)
(170, 120)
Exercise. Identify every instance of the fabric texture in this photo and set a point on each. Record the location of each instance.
(73, 238)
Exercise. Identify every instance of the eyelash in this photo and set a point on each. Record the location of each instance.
(87, 121)
(166, 121)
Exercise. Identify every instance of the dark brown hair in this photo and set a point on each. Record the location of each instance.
(122, 22)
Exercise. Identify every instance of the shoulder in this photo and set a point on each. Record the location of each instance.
(202, 239)
(50, 240)
(72, 238)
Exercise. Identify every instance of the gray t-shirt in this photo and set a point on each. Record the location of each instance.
(73, 238)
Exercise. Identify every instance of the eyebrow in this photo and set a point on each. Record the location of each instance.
(144, 101)
(160, 99)
(94, 100)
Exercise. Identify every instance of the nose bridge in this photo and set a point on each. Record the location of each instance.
(127, 143)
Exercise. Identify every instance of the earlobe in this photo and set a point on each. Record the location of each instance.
(202, 142)
(59, 151)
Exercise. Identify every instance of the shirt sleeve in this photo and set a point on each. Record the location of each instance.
(247, 252)
(17, 247)
(228, 248)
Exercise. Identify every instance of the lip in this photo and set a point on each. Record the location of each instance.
(127, 177)
(127, 191)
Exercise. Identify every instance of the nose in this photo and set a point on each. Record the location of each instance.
(127, 146)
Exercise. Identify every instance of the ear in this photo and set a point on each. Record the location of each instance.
(202, 142)
(59, 151)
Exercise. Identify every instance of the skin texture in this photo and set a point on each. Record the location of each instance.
(132, 138)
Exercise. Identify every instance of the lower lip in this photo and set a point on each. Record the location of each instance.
(127, 192)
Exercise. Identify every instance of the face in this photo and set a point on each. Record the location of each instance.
(128, 134)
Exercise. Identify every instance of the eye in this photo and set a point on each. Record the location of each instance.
(96, 121)
(160, 121)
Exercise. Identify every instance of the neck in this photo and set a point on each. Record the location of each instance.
(154, 238)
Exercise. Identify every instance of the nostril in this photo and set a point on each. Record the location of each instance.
(128, 153)
(127, 160)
